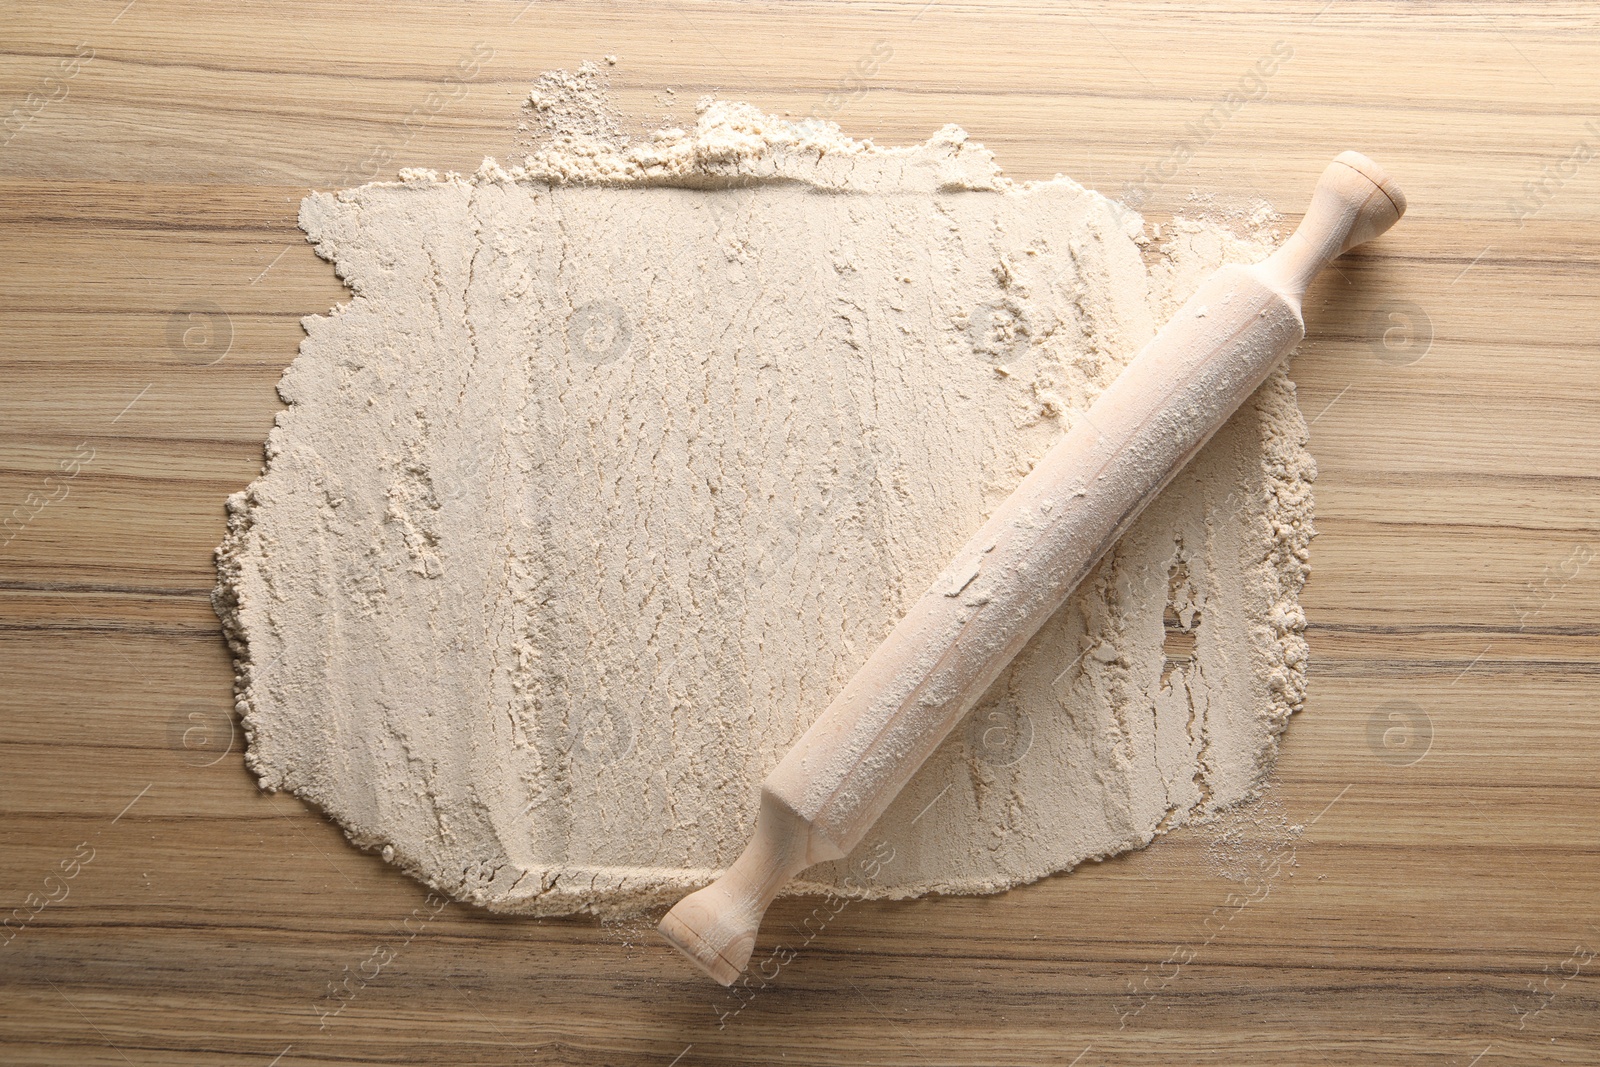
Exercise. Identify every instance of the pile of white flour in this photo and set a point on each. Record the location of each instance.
(619, 463)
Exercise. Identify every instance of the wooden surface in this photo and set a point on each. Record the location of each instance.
(1440, 910)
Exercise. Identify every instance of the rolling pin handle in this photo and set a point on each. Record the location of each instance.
(715, 927)
(1354, 202)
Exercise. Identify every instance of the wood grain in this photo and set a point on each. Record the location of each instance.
(1434, 911)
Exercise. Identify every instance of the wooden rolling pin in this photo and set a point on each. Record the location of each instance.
(1042, 541)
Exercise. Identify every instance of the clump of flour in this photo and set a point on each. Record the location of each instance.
(621, 460)
(567, 106)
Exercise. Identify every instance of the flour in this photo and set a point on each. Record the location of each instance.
(568, 106)
(620, 461)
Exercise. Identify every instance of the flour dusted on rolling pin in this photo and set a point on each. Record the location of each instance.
(620, 462)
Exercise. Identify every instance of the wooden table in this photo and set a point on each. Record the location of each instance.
(1442, 901)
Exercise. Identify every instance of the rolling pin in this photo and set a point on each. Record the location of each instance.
(1021, 565)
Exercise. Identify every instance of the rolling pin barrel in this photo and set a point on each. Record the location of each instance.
(1043, 540)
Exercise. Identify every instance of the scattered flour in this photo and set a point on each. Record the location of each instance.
(568, 106)
(620, 461)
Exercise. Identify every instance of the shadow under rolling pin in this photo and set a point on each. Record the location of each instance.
(1023, 563)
